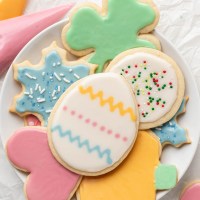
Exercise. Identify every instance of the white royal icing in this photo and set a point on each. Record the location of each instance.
(90, 137)
(137, 69)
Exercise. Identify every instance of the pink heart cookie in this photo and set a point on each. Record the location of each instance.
(28, 150)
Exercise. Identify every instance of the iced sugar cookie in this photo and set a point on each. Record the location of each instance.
(171, 132)
(156, 81)
(43, 84)
(94, 124)
(138, 177)
(28, 150)
(32, 120)
(27, 26)
(111, 30)
(10, 8)
(192, 192)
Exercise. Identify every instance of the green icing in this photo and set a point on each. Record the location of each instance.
(111, 34)
(166, 177)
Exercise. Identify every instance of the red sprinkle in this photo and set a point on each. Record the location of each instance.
(170, 83)
(163, 106)
(157, 103)
(149, 93)
(138, 105)
(148, 103)
(145, 61)
(164, 71)
(136, 66)
(126, 72)
(157, 85)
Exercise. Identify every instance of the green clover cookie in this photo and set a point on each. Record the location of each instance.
(110, 31)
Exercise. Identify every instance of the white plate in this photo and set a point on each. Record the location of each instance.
(181, 158)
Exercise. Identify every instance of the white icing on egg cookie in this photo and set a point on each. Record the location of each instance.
(156, 81)
(94, 124)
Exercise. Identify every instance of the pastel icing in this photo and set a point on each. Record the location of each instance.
(154, 81)
(28, 150)
(44, 84)
(165, 177)
(32, 120)
(96, 122)
(192, 192)
(133, 179)
(171, 132)
(109, 31)
(27, 26)
(9, 9)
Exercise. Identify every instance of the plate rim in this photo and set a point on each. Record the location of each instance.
(156, 33)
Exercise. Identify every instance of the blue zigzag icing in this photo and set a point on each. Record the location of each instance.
(84, 143)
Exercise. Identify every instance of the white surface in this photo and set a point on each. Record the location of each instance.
(180, 24)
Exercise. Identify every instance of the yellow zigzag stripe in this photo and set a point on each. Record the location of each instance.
(109, 101)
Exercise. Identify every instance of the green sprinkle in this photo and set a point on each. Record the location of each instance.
(129, 67)
(153, 109)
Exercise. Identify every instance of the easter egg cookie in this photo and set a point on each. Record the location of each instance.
(171, 132)
(43, 84)
(94, 124)
(191, 192)
(156, 80)
(28, 150)
(138, 177)
(108, 31)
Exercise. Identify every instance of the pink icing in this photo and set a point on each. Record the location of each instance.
(31, 120)
(28, 150)
(192, 192)
(13, 30)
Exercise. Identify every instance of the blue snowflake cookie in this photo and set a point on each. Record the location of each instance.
(43, 84)
(171, 132)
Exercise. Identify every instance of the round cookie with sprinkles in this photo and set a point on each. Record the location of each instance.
(157, 82)
(94, 124)
(43, 84)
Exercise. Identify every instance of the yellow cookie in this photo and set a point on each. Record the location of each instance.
(11, 8)
(140, 175)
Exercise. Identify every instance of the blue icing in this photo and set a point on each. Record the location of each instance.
(171, 132)
(84, 144)
(45, 85)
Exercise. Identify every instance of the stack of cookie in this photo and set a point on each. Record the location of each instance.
(97, 125)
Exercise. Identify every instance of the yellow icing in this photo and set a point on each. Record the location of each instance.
(11, 8)
(133, 179)
(109, 101)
